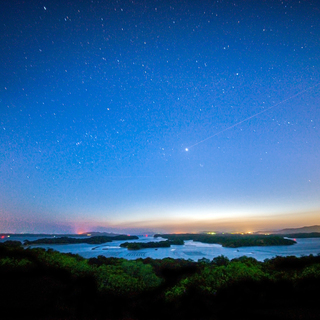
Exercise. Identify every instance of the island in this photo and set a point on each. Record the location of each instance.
(90, 240)
(231, 240)
(151, 244)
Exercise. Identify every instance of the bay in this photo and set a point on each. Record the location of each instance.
(190, 250)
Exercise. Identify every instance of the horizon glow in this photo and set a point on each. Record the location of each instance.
(172, 117)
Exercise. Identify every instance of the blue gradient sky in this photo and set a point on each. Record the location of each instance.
(100, 99)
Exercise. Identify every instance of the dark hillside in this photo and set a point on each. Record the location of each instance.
(40, 284)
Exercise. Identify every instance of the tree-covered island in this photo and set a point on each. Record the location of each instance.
(151, 244)
(231, 240)
(90, 240)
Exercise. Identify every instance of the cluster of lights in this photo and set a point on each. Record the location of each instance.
(249, 232)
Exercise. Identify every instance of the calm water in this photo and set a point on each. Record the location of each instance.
(191, 250)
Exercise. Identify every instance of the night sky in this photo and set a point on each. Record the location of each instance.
(159, 115)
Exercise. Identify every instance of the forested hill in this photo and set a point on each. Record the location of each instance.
(308, 229)
(90, 240)
(46, 284)
(303, 235)
(232, 240)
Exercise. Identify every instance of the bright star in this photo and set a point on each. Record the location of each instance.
(187, 149)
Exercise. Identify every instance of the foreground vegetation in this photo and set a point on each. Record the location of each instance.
(45, 284)
(231, 240)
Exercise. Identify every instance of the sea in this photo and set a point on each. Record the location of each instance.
(190, 250)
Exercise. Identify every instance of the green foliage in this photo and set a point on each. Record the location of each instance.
(312, 271)
(128, 277)
(220, 261)
(38, 281)
(11, 244)
(213, 278)
(15, 263)
(203, 260)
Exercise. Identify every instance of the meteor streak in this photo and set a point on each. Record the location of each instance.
(253, 116)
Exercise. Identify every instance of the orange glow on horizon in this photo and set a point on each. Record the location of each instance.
(245, 225)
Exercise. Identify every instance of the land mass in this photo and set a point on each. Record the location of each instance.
(151, 244)
(303, 235)
(90, 240)
(231, 240)
(226, 240)
(305, 229)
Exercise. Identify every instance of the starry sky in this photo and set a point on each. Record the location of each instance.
(171, 116)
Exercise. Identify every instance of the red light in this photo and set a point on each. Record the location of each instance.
(2, 237)
(146, 235)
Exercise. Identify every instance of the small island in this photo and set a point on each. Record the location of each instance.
(148, 245)
(69, 240)
(231, 240)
